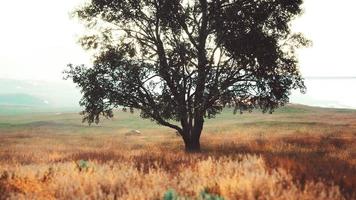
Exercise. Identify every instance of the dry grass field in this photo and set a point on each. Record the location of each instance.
(296, 153)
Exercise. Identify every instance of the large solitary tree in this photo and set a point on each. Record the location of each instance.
(181, 61)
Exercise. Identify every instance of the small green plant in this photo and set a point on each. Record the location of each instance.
(170, 195)
(204, 195)
(82, 165)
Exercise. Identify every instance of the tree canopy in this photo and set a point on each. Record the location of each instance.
(185, 60)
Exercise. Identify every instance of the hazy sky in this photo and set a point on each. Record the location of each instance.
(38, 39)
(331, 27)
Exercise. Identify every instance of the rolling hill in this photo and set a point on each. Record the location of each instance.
(21, 100)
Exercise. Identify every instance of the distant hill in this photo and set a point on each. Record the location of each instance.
(39, 93)
(26, 96)
(21, 100)
(19, 97)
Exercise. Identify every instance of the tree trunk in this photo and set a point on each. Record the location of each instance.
(191, 135)
(192, 145)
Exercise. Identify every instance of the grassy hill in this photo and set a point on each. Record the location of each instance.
(68, 120)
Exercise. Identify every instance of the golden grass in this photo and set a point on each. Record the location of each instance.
(235, 167)
(247, 179)
(281, 157)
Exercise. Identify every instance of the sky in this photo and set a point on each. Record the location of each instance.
(38, 39)
(331, 27)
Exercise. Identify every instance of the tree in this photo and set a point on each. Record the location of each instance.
(185, 60)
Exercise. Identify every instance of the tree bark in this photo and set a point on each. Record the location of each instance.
(191, 135)
(192, 145)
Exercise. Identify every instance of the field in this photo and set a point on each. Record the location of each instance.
(298, 152)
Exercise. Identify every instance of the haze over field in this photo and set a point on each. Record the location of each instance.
(63, 94)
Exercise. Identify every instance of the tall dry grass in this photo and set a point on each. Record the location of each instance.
(246, 178)
(287, 155)
(235, 166)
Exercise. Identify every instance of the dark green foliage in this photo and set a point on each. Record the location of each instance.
(186, 60)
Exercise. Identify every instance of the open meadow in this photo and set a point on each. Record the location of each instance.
(298, 152)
